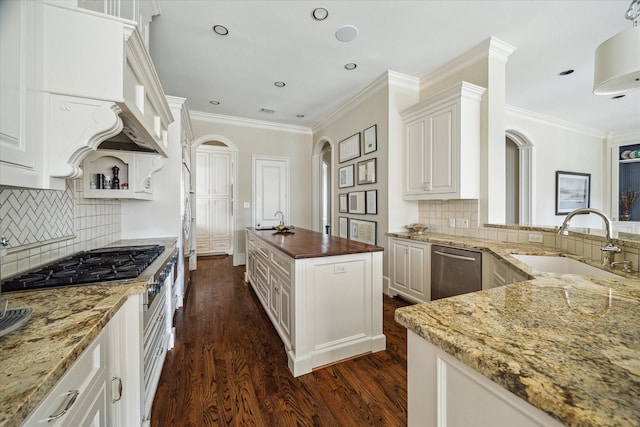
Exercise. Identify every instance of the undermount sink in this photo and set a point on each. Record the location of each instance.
(561, 265)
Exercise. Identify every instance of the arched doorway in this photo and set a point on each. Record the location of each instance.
(322, 160)
(519, 179)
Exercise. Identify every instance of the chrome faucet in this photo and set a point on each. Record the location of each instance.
(281, 217)
(609, 250)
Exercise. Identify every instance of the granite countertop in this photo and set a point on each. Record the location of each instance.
(303, 243)
(63, 323)
(567, 344)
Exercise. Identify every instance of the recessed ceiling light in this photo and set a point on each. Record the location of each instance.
(350, 66)
(280, 84)
(618, 96)
(299, 116)
(212, 102)
(566, 72)
(347, 33)
(320, 13)
(220, 30)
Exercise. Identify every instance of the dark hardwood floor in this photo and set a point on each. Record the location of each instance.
(229, 367)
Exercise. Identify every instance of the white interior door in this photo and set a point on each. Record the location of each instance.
(270, 191)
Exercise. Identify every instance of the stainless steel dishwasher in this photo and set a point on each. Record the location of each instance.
(454, 271)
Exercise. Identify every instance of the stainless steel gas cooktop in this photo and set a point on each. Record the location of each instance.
(99, 265)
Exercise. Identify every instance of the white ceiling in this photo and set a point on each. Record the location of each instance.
(273, 41)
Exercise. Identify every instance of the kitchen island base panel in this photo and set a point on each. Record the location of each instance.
(443, 391)
(322, 359)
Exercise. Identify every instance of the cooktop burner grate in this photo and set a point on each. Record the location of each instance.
(99, 265)
(14, 318)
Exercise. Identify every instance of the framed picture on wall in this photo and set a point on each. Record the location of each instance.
(343, 206)
(346, 176)
(357, 202)
(370, 139)
(367, 171)
(573, 191)
(350, 148)
(343, 224)
(362, 231)
(372, 202)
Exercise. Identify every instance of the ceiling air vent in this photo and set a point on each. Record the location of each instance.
(267, 110)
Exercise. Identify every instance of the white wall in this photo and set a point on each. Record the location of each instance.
(561, 147)
(368, 108)
(263, 138)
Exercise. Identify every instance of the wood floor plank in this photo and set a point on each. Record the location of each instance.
(229, 367)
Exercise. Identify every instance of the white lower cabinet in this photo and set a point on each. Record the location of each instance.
(102, 388)
(410, 276)
(496, 272)
(444, 392)
(79, 398)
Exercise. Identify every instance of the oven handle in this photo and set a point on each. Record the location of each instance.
(460, 257)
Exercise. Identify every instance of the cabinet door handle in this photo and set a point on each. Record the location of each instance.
(67, 404)
(119, 388)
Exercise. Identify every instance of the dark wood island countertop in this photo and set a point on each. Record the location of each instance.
(303, 243)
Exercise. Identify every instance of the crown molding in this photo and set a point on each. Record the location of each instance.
(624, 138)
(553, 121)
(492, 47)
(244, 122)
(387, 79)
(500, 50)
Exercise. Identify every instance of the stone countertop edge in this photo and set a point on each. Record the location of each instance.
(550, 340)
(63, 323)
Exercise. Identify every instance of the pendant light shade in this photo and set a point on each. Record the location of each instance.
(617, 64)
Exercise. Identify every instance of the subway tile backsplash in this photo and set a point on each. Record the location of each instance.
(45, 225)
(438, 214)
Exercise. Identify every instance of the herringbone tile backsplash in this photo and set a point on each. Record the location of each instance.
(45, 225)
(32, 216)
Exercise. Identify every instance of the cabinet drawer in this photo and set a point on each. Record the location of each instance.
(262, 271)
(262, 290)
(280, 279)
(83, 376)
(282, 264)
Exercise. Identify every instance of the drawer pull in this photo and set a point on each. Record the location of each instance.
(119, 388)
(71, 399)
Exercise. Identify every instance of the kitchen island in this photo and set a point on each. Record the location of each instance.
(559, 349)
(323, 294)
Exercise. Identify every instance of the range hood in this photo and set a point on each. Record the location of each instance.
(99, 86)
(128, 139)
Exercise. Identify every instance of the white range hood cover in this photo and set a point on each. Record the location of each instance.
(96, 73)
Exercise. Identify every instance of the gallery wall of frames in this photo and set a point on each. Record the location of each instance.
(357, 201)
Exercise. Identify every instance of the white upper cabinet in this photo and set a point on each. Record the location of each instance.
(19, 160)
(72, 79)
(442, 145)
